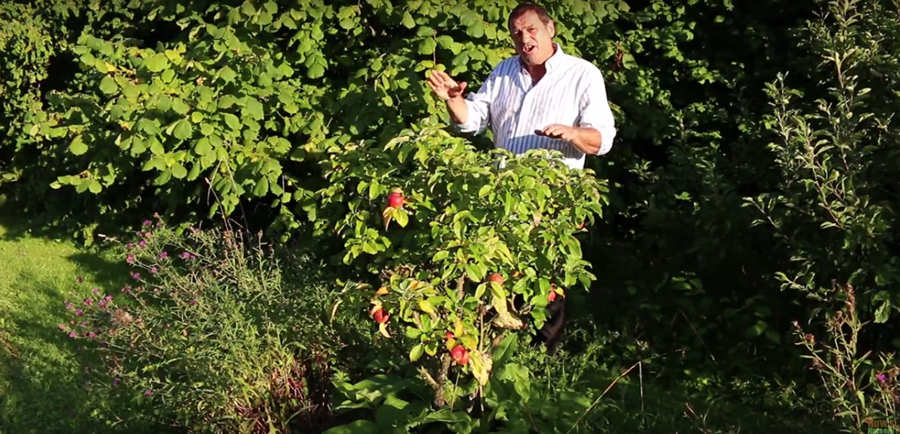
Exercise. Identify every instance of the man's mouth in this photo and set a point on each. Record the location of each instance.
(528, 48)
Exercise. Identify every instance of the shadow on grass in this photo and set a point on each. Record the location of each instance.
(43, 388)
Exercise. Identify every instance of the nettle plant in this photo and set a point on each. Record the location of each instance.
(467, 246)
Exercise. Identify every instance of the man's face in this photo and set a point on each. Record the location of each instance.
(532, 38)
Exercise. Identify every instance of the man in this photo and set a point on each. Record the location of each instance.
(541, 98)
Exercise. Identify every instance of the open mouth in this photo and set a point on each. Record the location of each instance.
(528, 48)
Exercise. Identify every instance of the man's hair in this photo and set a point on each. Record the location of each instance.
(525, 8)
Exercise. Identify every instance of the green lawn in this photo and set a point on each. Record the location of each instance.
(39, 377)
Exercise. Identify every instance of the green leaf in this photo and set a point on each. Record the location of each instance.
(315, 71)
(95, 186)
(440, 256)
(401, 217)
(179, 171)
(202, 147)
(416, 352)
(156, 62)
(408, 20)
(183, 129)
(427, 46)
(227, 74)
(756, 329)
(77, 147)
(254, 108)
(156, 148)
(232, 121)
(505, 348)
(261, 188)
(883, 313)
(355, 427)
(178, 106)
(108, 85)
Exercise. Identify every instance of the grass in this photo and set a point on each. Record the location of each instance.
(39, 376)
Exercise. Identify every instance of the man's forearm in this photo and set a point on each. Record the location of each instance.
(587, 140)
(458, 109)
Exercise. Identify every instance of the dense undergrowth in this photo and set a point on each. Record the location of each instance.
(749, 195)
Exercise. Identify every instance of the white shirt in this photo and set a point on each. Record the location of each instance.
(572, 93)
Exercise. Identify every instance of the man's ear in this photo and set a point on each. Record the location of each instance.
(551, 27)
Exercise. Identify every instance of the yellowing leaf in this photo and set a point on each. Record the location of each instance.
(382, 328)
(427, 307)
(481, 366)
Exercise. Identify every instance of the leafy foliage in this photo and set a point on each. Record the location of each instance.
(208, 336)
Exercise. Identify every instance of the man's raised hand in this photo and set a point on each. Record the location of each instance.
(445, 87)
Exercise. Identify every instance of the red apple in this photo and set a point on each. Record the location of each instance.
(464, 359)
(380, 316)
(496, 277)
(450, 335)
(395, 199)
(460, 354)
(552, 296)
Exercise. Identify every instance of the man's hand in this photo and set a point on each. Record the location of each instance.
(586, 140)
(558, 131)
(445, 87)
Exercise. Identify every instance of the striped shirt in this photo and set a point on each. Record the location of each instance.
(571, 93)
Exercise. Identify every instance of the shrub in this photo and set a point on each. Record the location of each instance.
(862, 385)
(466, 250)
(208, 335)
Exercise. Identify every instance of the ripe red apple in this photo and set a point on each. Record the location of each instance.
(552, 295)
(450, 335)
(380, 316)
(395, 199)
(460, 354)
(496, 277)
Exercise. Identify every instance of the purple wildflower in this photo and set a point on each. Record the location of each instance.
(193, 302)
(881, 378)
(116, 382)
(148, 392)
(108, 298)
(129, 259)
(88, 301)
(95, 290)
(69, 306)
(62, 326)
(79, 312)
(129, 246)
(102, 303)
(135, 276)
(72, 335)
(147, 223)
(142, 243)
(163, 255)
(153, 270)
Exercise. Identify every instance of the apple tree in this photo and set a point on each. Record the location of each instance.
(468, 247)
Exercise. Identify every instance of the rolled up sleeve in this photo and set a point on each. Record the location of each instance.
(478, 108)
(595, 111)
